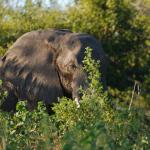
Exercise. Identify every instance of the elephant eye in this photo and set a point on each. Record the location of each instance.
(73, 66)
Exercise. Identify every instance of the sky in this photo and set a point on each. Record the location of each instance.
(62, 3)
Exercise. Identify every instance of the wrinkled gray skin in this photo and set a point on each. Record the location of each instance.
(45, 65)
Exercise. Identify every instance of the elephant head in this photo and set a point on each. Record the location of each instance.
(69, 62)
(70, 70)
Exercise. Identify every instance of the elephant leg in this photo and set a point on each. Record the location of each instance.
(49, 109)
(9, 103)
(31, 105)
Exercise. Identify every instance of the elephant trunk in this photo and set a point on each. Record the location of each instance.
(79, 80)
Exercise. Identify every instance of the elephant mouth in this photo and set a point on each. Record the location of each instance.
(65, 81)
(67, 86)
(71, 82)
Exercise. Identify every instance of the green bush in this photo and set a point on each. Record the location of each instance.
(124, 32)
(95, 125)
(29, 130)
(102, 121)
(122, 27)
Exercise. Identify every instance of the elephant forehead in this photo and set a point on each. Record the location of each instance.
(71, 43)
(69, 57)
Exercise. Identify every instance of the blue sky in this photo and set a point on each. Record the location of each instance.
(62, 3)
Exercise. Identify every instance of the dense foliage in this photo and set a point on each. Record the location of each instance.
(124, 33)
(123, 28)
(95, 125)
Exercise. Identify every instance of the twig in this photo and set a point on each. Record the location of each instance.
(131, 101)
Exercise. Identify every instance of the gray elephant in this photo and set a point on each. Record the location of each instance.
(46, 64)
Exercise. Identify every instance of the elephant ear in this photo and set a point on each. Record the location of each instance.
(48, 75)
(30, 67)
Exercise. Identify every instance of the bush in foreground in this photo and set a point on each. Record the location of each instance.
(95, 125)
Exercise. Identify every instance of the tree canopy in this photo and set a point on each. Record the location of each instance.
(122, 27)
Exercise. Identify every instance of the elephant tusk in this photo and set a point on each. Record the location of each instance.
(77, 102)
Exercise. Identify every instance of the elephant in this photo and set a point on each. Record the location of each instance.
(45, 65)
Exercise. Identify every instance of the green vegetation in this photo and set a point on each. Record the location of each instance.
(123, 27)
(95, 125)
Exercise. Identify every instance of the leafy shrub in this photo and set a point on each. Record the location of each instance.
(95, 125)
(124, 32)
(120, 25)
(28, 130)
